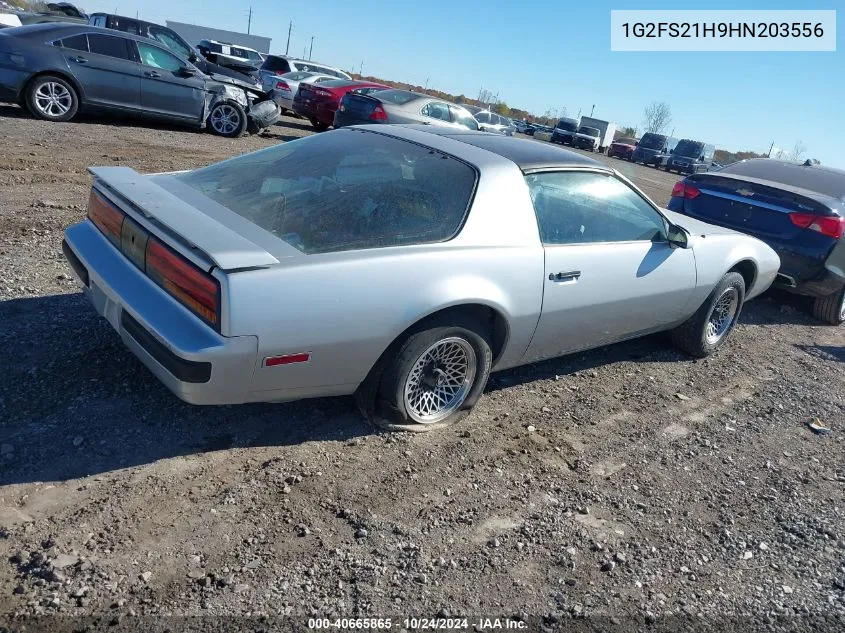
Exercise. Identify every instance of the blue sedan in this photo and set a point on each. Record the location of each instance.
(797, 209)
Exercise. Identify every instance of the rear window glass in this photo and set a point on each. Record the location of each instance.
(399, 97)
(273, 64)
(346, 190)
(828, 182)
(652, 141)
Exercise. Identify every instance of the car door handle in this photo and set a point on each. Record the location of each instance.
(572, 275)
(79, 60)
(153, 74)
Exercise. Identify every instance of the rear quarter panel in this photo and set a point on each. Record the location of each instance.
(347, 308)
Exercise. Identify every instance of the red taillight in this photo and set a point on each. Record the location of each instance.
(279, 72)
(685, 190)
(274, 361)
(193, 288)
(832, 226)
(105, 216)
(282, 85)
(378, 114)
(322, 92)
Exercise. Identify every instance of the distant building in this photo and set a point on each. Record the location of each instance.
(193, 33)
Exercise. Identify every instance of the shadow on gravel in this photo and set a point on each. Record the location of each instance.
(75, 402)
(826, 352)
(656, 348)
(115, 120)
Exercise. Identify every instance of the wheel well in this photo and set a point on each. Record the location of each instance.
(499, 329)
(748, 270)
(54, 73)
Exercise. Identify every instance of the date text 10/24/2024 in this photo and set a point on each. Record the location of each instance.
(417, 624)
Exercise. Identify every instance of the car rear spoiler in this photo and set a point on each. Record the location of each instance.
(226, 248)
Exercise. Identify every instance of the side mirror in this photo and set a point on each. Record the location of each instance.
(192, 57)
(187, 71)
(677, 236)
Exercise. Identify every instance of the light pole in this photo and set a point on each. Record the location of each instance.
(311, 50)
(592, 109)
(290, 28)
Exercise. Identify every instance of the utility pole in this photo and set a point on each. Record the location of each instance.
(361, 69)
(249, 21)
(592, 109)
(771, 147)
(290, 27)
(426, 84)
(311, 50)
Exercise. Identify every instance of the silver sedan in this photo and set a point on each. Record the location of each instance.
(401, 264)
(402, 107)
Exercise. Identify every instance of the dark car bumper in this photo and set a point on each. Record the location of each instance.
(322, 112)
(583, 144)
(684, 166)
(264, 114)
(620, 153)
(563, 139)
(343, 119)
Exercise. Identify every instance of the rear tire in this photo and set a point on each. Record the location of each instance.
(830, 309)
(318, 125)
(706, 330)
(432, 379)
(51, 98)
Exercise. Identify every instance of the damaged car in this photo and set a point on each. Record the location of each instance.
(58, 70)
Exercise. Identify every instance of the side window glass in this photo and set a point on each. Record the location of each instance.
(463, 117)
(162, 36)
(581, 207)
(108, 45)
(437, 110)
(483, 117)
(76, 42)
(158, 58)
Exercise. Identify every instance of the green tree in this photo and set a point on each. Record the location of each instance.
(502, 108)
(629, 131)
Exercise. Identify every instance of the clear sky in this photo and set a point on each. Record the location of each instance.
(546, 54)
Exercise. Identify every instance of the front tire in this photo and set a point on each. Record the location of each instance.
(830, 309)
(227, 119)
(434, 378)
(318, 125)
(52, 98)
(706, 330)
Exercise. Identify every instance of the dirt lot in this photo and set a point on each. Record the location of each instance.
(629, 482)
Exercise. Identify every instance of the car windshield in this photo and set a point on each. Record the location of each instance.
(346, 190)
(588, 131)
(568, 126)
(626, 141)
(689, 149)
(652, 141)
(399, 97)
(829, 182)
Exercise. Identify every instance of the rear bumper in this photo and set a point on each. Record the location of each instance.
(342, 119)
(321, 112)
(196, 363)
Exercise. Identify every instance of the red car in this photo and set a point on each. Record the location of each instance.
(623, 148)
(319, 102)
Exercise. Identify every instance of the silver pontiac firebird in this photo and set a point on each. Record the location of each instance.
(399, 264)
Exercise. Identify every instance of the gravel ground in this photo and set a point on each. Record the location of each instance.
(629, 482)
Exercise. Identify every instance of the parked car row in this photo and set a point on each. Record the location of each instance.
(58, 69)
